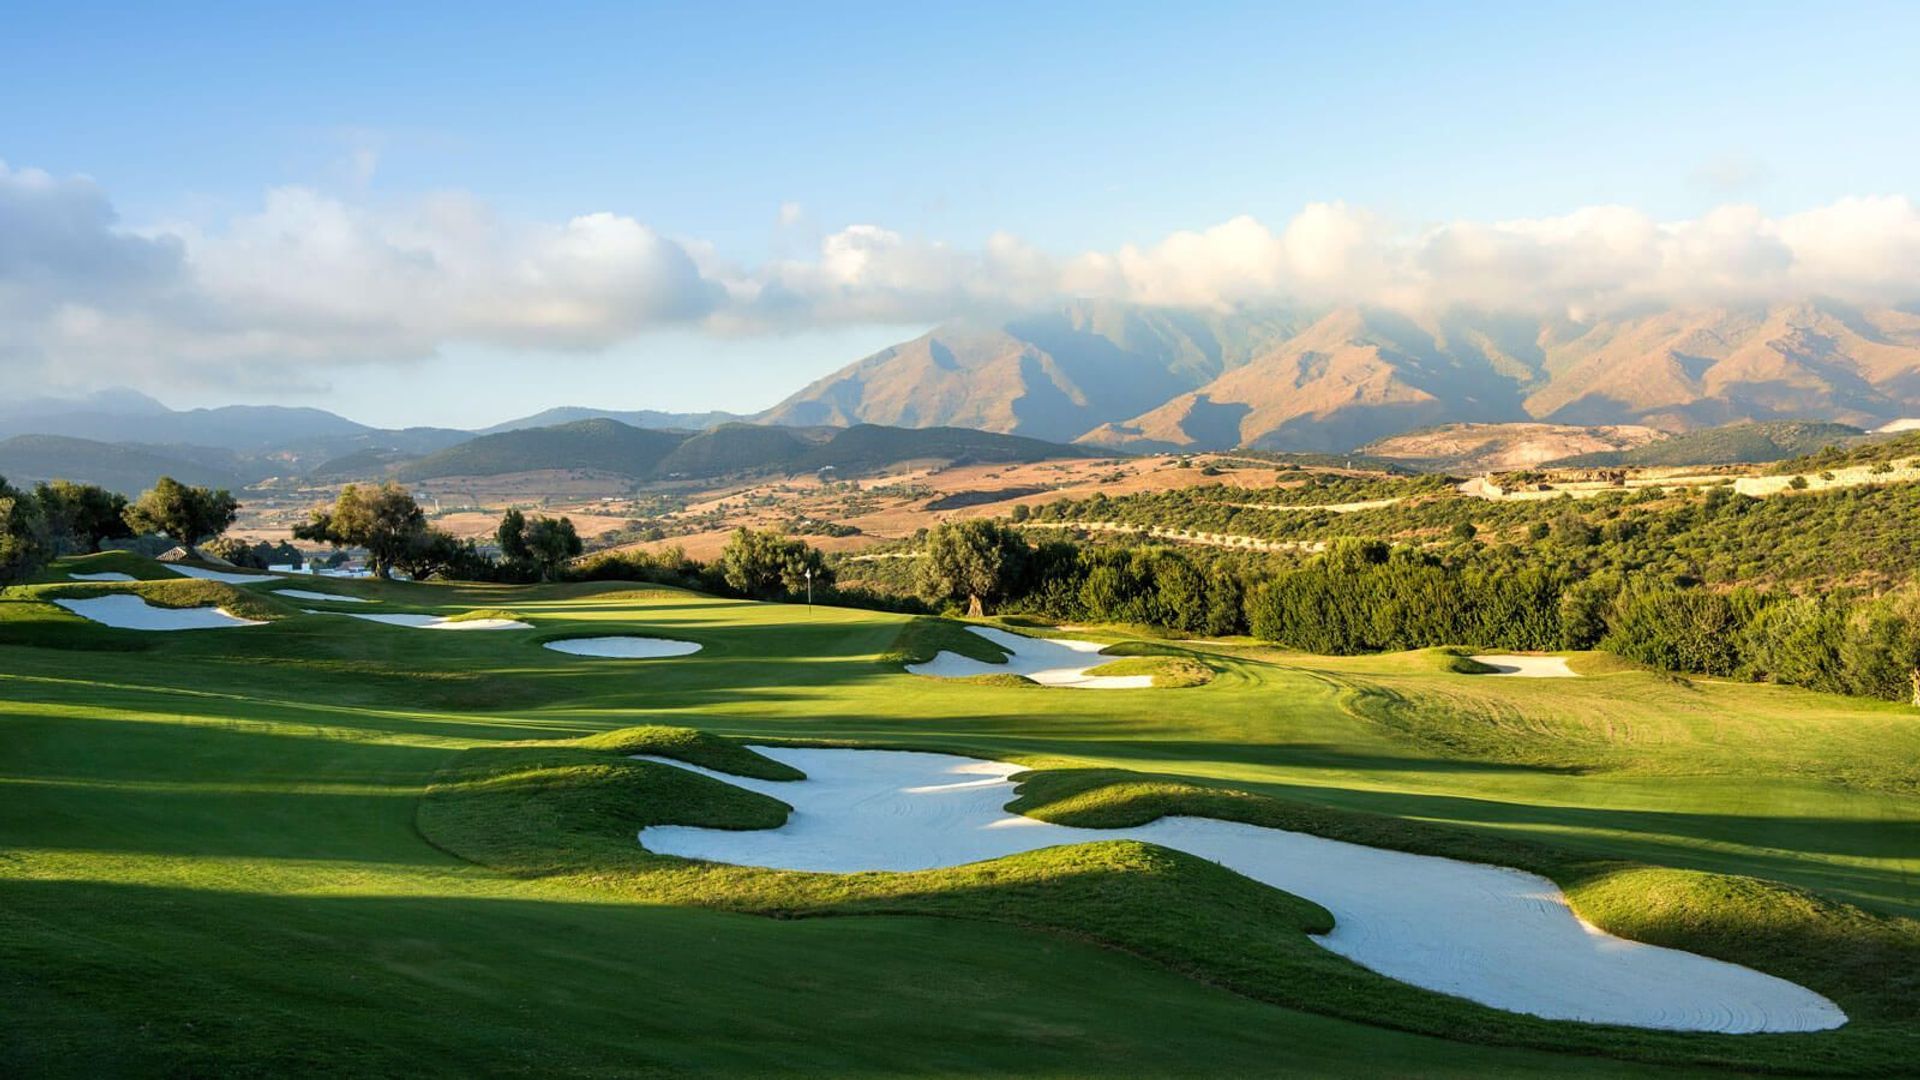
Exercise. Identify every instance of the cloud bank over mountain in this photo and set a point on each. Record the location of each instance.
(310, 278)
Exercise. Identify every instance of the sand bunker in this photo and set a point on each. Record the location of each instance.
(1489, 934)
(624, 648)
(1529, 667)
(111, 575)
(216, 575)
(129, 612)
(1048, 661)
(436, 622)
(305, 594)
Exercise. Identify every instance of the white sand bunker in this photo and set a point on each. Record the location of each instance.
(205, 574)
(436, 622)
(1497, 936)
(1528, 667)
(129, 612)
(1048, 661)
(111, 575)
(307, 594)
(625, 648)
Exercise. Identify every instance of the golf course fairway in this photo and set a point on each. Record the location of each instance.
(328, 846)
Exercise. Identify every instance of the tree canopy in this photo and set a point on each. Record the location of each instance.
(386, 521)
(81, 516)
(187, 515)
(24, 542)
(769, 565)
(980, 561)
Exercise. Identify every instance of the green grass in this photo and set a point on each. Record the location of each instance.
(1168, 671)
(335, 847)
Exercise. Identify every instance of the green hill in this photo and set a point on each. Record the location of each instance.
(1735, 444)
(866, 447)
(605, 445)
(128, 470)
(733, 448)
(610, 446)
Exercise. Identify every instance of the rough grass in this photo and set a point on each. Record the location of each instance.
(569, 811)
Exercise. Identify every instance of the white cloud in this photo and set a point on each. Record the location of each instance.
(308, 278)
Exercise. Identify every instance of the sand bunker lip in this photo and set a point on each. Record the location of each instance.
(306, 594)
(217, 575)
(1047, 661)
(626, 647)
(111, 575)
(1489, 934)
(437, 622)
(126, 611)
(1528, 667)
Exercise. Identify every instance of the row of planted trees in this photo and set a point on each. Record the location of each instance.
(1365, 595)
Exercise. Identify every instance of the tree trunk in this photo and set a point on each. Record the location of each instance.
(975, 609)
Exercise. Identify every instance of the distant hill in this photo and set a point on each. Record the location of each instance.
(733, 448)
(1479, 448)
(28, 458)
(640, 418)
(605, 445)
(868, 447)
(1734, 444)
(610, 446)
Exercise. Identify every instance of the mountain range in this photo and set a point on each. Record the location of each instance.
(1331, 380)
(1116, 377)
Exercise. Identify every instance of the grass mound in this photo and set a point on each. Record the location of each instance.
(693, 747)
(179, 593)
(1167, 671)
(481, 614)
(134, 566)
(921, 639)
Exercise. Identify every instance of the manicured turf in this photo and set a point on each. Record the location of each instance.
(215, 856)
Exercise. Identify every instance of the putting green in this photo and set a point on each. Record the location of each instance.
(209, 855)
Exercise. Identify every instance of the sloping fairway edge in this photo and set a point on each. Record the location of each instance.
(571, 809)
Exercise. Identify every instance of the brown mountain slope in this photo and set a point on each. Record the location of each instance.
(1052, 375)
(1136, 378)
(1354, 376)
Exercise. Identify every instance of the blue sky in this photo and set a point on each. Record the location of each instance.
(1075, 128)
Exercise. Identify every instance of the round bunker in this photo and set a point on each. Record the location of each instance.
(624, 648)
(111, 575)
(126, 611)
(1489, 934)
(1047, 661)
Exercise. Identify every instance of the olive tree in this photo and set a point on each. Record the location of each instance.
(24, 543)
(768, 565)
(386, 521)
(979, 561)
(184, 514)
